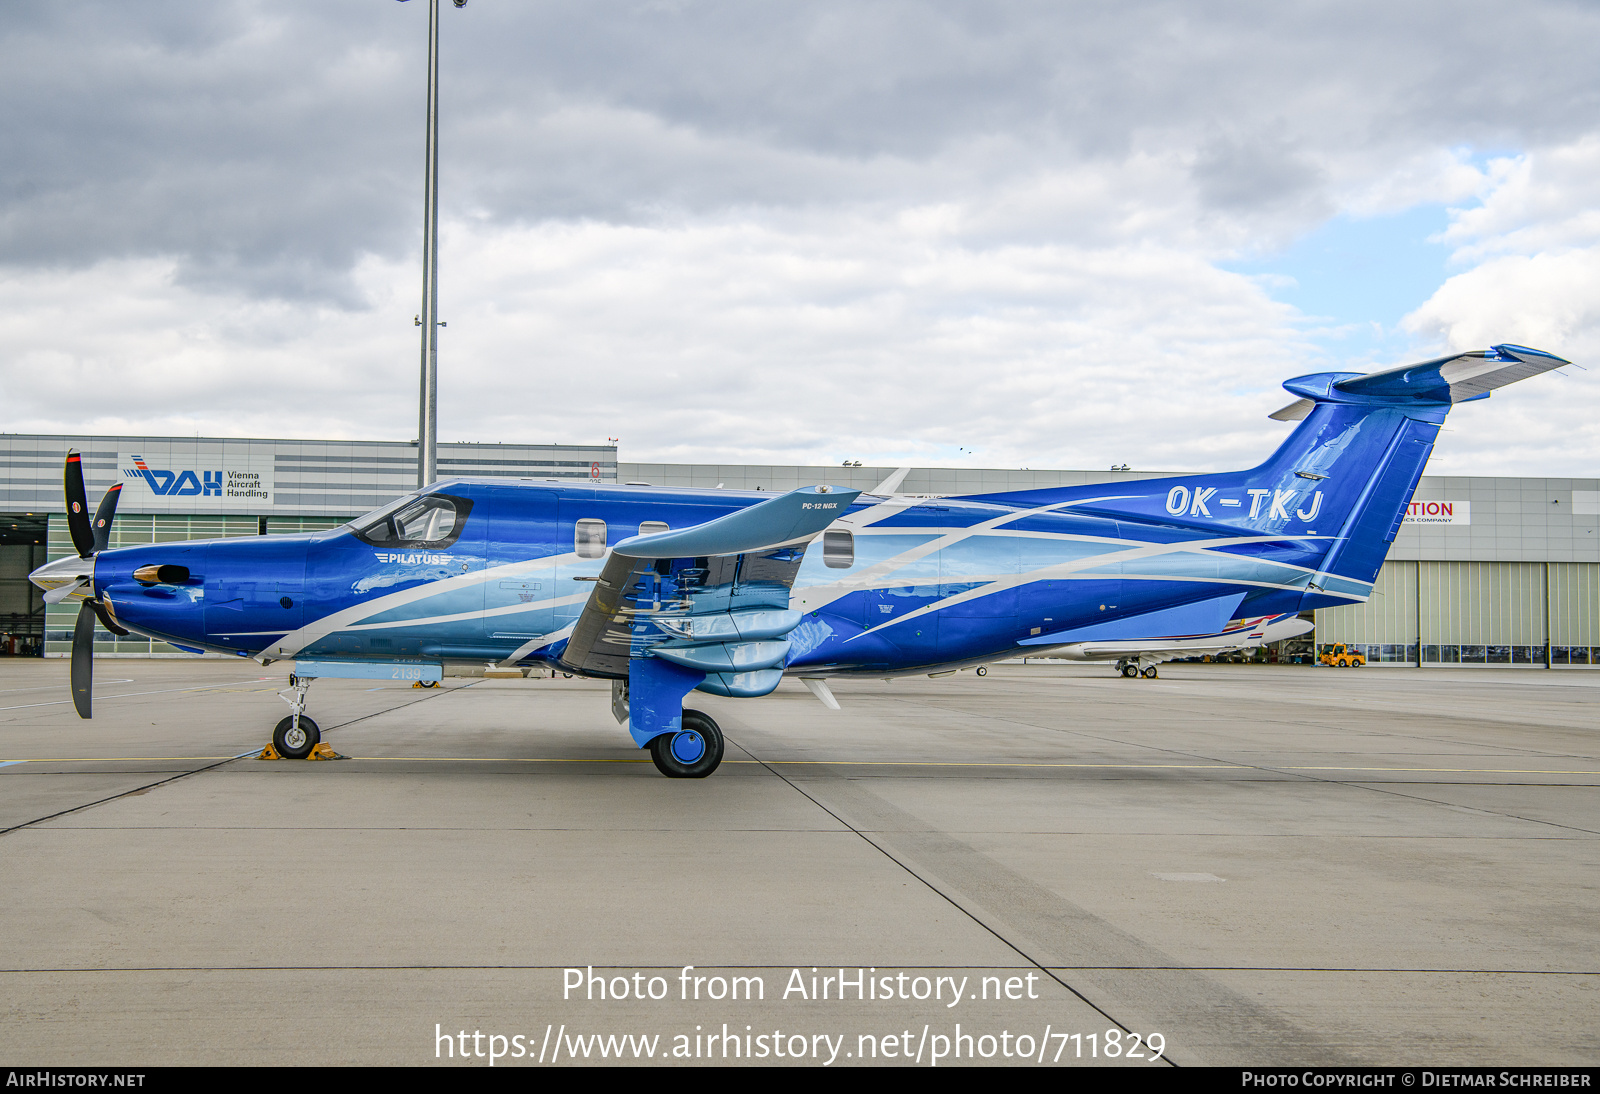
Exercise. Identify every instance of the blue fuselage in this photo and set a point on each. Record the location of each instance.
(902, 586)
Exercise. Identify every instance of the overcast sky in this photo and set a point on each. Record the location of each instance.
(979, 234)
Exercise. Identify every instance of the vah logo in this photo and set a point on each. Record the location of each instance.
(176, 483)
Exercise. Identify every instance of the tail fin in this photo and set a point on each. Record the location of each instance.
(1341, 482)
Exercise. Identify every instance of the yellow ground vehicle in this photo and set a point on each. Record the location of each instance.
(1342, 656)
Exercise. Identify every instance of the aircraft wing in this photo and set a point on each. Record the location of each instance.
(712, 597)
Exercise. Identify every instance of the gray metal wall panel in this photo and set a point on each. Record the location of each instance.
(1574, 604)
(1483, 603)
(1389, 616)
(349, 476)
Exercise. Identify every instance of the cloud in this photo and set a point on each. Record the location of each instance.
(704, 341)
(1532, 248)
(746, 230)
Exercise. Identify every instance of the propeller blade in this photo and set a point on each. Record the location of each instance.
(83, 660)
(77, 506)
(104, 515)
(57, 595)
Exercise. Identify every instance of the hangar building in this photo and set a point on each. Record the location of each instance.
(1485, 571)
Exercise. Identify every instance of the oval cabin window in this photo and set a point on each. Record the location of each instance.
(838, 550)
(589, 538)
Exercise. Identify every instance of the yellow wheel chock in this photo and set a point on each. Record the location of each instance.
(320, 752)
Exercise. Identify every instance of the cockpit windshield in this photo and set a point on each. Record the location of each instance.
(431, 521)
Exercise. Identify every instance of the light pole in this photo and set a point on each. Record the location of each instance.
(428, 426)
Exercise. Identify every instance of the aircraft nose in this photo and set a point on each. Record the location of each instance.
(63, 576)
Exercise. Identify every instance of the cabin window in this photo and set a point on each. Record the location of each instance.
(589, 539)
(838, 550)
(432, 522)
(650, 527)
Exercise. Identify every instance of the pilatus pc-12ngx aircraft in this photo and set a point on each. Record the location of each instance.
(665, 592)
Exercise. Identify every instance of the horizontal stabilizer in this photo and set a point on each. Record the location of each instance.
(1440, 382)
(1455, 379)
(1294, 412)
(1188, 620)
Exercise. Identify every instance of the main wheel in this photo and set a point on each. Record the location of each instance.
(1149, 673)
(1130, 671)
(982, 670)
(692, 753)
(295, 743)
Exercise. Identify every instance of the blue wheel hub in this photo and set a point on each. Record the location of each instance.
(688, 747)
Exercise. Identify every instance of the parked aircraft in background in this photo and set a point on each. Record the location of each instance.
(1140, 656)
(665, 592)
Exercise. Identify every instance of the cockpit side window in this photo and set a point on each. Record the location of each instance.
(432, 522)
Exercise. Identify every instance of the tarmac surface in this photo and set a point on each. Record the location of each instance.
(1261, 865)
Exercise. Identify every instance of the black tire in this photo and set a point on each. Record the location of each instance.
(674, 753)
(982, 670)
(1130, 671)
(1149, 673)
(303, 742)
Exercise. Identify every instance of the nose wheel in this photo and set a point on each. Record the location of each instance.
(295, 738)
(693, 752)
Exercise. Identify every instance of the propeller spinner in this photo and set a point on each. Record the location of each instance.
(74, 577)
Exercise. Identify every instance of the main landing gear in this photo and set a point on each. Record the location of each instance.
(693, 752)
(1131, 669)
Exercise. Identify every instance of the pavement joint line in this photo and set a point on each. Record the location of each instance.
(1373, 786)
(1048, 833)
(1377, 787)
(57, 687)
(209, 767)
(1286, 768)
(1352, 969)
(133, 694)
(1018, 950)
(829, 763)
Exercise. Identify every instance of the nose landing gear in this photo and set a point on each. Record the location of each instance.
(297, 737)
